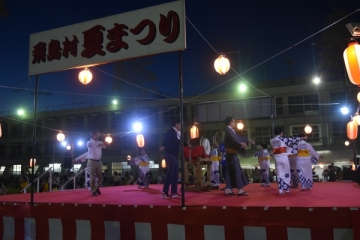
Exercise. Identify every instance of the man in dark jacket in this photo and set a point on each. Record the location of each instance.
(170, 146)
(235, 177)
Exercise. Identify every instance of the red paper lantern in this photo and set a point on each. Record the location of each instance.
(352, 62)
(163, 163)
(194, 132)
(352, 130)
(140, 140)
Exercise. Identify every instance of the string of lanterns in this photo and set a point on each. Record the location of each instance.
(352, 63)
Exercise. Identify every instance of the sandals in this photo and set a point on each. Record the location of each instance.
(230, 194)
(242, 194)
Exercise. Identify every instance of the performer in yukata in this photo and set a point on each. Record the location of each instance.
(282, 148)
(306, 155)
(144, 171)
(214, 156)
(264, 162)
(235, 177)
(294, 174)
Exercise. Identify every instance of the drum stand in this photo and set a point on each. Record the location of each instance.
(198, 184)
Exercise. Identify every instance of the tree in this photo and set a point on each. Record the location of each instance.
(334, 41)
(137, 72)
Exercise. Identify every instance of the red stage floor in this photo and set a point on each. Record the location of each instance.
(336, 194)
(329, 211)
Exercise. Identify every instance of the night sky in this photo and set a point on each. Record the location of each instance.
(255, 30)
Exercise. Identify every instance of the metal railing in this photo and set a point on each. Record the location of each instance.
(37, 180)
(72, 179)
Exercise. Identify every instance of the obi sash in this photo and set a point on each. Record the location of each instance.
(215, 158)
(279, 150)
(267, 158)
(231, 150)
(303, 153)
(144, 164)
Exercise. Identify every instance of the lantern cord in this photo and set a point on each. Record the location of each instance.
(83, 94)
(121, 134)
(238, 75)
(27, 78)
(148, 90)
(268, 59)
(275, 48)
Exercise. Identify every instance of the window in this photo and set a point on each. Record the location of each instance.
(304, 103)
(97, 121)
(207, 134)
(56, 167)
(262, 135)
(170, 114)
(15, 151)
(339, 132)
(314, 136)
(149, 115)
(16, 129)
(243, 133)
(28, 127)
(2, 151)
(337, 97)
(4, 127)
(76, 167)
(15, 170)
(53, 123)
(75, 123)
(121, 167)
(279, 106)
(153, 165)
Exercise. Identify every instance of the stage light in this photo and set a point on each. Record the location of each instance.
(68, 147)
(20, 112)
(242, 87)
(63, 143)
(344, 110)
(80, 143)
(128, 157)
(347, 143)
(316, 80)
(114, 102)
(137, 127)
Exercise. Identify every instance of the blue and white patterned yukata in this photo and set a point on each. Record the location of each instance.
(143, 163)
(215, 176)
(306, 154)
(264, 162)
(282, 148)
(293, 171)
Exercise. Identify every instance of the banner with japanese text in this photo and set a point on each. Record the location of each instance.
(144, 32)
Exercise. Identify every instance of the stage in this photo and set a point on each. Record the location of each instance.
(328, 211)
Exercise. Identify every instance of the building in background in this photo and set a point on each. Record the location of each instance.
(294, 103)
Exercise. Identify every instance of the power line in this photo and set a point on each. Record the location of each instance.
(268, 59)
(148, 90)
(83, 94)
